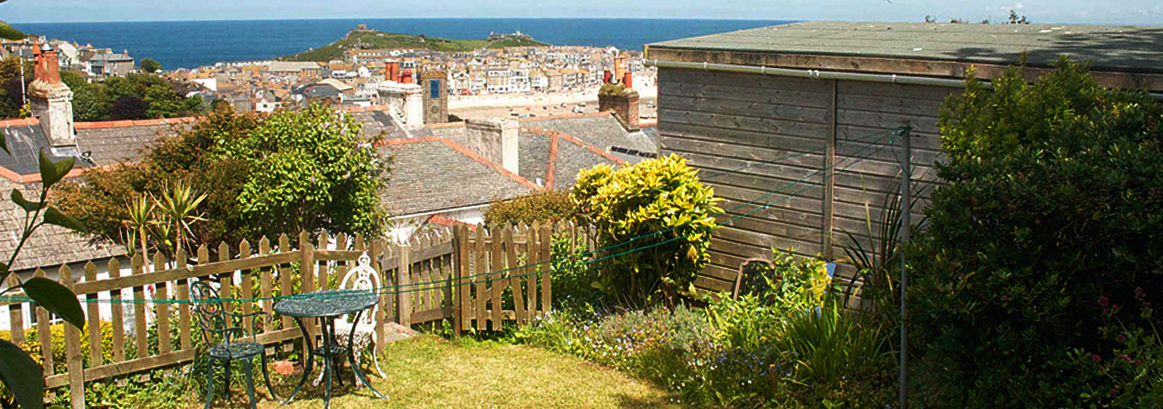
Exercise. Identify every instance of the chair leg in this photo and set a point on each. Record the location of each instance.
(248, 364)
(267, 378)
(209, 381)
(376, 361)
(228, 371)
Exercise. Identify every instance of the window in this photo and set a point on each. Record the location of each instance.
(434, 89)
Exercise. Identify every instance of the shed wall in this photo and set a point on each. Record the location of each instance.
(769, 140)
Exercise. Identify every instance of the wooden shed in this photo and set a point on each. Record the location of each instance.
(788, 123)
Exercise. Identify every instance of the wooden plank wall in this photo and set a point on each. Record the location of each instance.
(724, 121)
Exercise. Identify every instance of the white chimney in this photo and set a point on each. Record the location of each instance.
(495, 140)
(52, 100)
(404, 98)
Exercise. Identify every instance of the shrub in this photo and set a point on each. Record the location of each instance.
(1052, 207)
(659, 206)
(573, 277)
(540, 207)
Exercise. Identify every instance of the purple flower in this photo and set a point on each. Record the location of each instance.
(1095, 358)
(1103, 301)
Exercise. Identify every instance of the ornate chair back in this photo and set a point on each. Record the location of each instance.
(210, 312)
(364, 278)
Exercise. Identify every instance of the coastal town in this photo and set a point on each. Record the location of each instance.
(517, 81)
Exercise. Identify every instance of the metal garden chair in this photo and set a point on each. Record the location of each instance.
(365, 278)
(218, 324)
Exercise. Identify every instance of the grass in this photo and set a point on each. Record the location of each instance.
(376, 39)
(431, 372)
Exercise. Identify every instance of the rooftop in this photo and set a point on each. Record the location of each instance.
(1131, 49)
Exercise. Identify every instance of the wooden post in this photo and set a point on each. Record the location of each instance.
(533, 259)
(479, 267)
(44, 333)
(246, 286)
(116, 314)
(93, 310)
(496, 265)
(226, 278)
(139, 325)
(285, 280)
(514, 279)
(425, 291)
(16, 314)
(547, 268)
(403, 278)
(183, 308)
(268, 305)
(374, 249)
(306, 275)
(160, 296)
(829, 179)
(460, 260)
(76, 366)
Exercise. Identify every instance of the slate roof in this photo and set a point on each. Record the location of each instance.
(533, 156)
(571, 159)
(49, 246)
(1109, 48)
(109, 143)
(25, 140)
(431, 174)
(601, 131)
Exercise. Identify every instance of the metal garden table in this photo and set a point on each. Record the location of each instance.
(326, 306)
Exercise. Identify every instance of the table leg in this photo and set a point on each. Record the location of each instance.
(354, 365)
(310, 360)
(328, 346)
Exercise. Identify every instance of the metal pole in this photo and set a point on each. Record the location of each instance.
(906, 225)
(23, 92)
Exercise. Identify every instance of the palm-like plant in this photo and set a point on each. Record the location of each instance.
(141, 214)
(179, 204)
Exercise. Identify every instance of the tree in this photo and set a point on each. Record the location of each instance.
(1048, 220)
(260, 176)
(150, 66)
(162, 102)
(128, 107)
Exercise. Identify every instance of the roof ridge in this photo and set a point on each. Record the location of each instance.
(407, 141)
(575, 141)
(567, 116)
(472, 155)
(125, 123)
(19, 122)
(551, 167)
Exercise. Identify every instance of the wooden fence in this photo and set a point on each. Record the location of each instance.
(423, 281)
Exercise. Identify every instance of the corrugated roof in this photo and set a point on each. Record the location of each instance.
(1133, 49)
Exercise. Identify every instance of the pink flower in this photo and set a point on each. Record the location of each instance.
(1103, 301)
(1095, 358)
(1139, 292)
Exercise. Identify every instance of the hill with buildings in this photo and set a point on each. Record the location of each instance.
(365, 39)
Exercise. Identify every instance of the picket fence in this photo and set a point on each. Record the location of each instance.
(460, 274)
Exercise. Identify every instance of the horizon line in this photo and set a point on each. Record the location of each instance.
(10, 22)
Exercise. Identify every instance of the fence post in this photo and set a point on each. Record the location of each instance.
(306, 275)
(403, 290)
(73, 350)
(546, 237)
(460, 264)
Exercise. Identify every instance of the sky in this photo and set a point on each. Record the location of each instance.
(1039, 11)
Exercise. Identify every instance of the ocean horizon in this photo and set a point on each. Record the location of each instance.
(196, 43)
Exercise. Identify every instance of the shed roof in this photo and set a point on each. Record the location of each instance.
(1130, 49)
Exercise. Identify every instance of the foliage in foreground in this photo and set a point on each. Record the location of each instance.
(782, 345)
(1047, 227)
(540, 207)
(308, 170)
(662, 207)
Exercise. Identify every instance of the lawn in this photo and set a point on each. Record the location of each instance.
(431, 372)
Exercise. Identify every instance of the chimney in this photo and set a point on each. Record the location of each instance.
(627, 80)
(406, 77)
(52, 100)
(620, 65)
(393, 71)
(624, 105)
(607, 77)
(495, 140)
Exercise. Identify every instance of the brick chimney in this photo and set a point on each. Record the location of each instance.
(627, 80)
(495, 140)
(624, 106)
(620, 62)
(607, 77)
(52, 100)
(393, 71)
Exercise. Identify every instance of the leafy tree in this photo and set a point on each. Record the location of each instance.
(150, 66)
(220, 104)
(260, 175)
(162, 102)
(11, 100)
(317, 173)
(1048, 220)
(128, 107)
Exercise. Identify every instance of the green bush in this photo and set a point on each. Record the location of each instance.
(539, 207)
(1052, 208)
(663, 211)
(573, 277)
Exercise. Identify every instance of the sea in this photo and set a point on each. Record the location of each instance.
(191, 44)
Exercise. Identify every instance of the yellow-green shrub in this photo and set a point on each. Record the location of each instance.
(665, 213)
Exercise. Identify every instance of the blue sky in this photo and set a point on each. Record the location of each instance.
(1048, 11)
